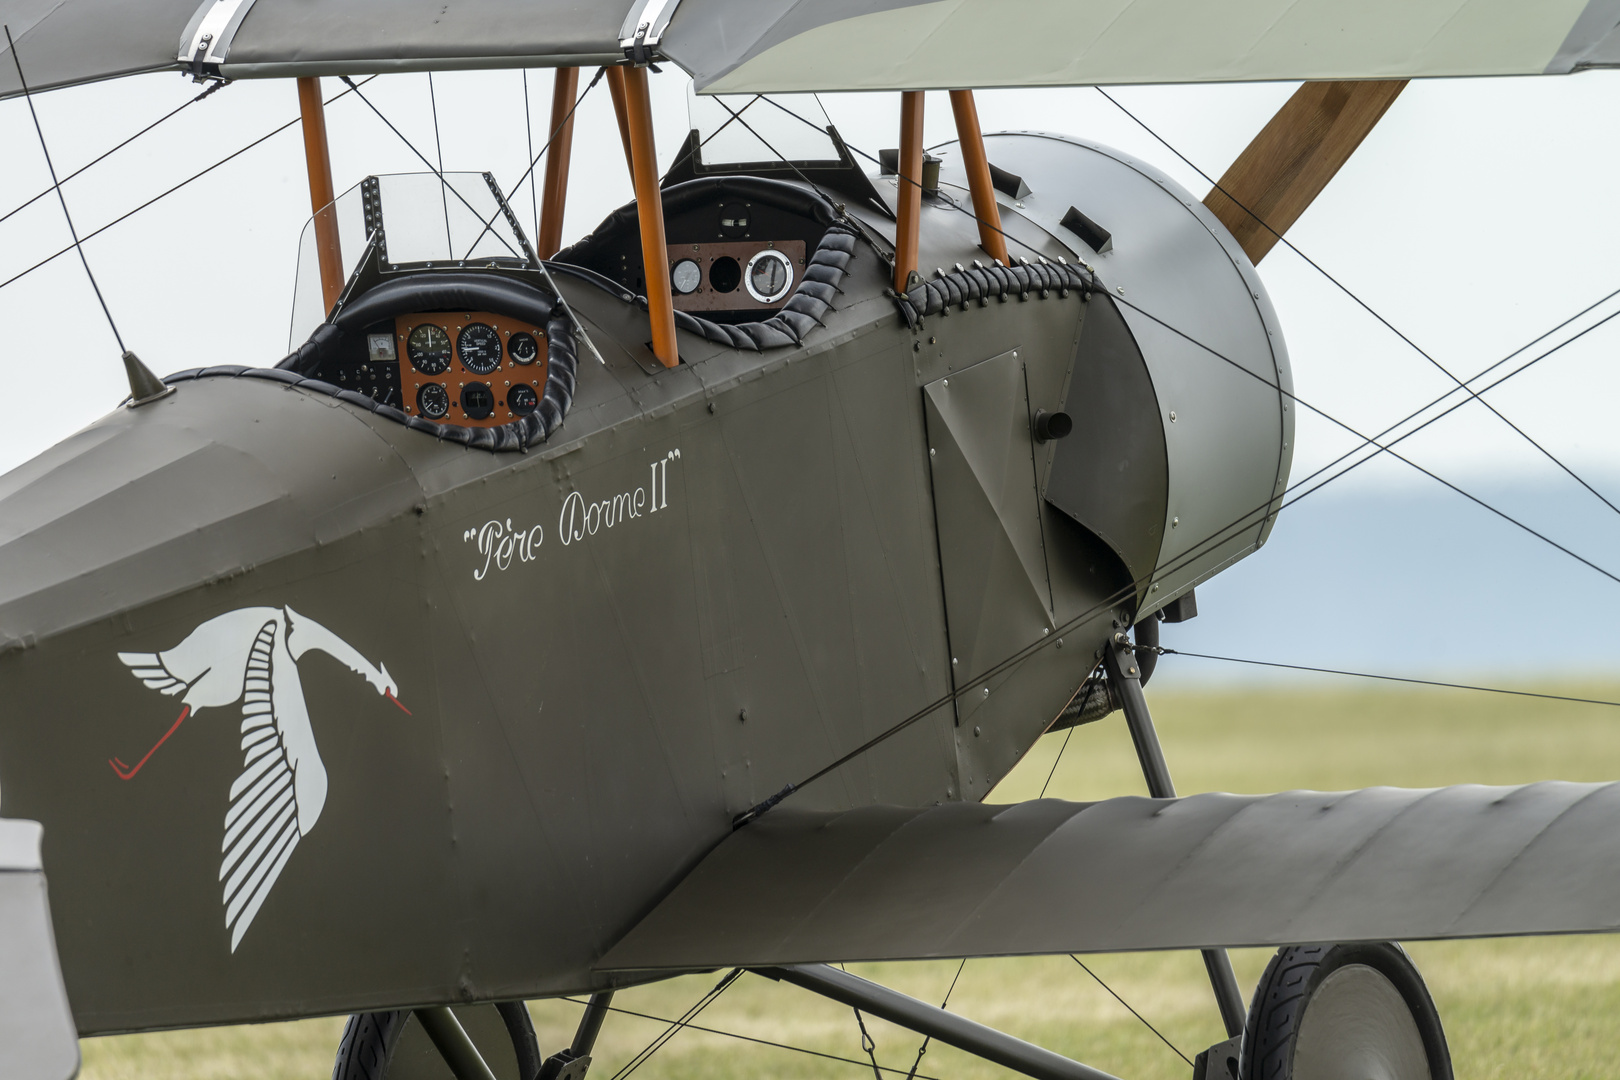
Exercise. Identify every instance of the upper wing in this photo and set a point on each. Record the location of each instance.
(781, 45)
(1046, 877)
(261, 825)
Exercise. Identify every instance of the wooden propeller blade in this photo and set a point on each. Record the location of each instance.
(1299, 150)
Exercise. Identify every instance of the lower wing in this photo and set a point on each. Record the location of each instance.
(1045, 877)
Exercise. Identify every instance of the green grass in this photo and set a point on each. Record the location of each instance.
(1524, 1008)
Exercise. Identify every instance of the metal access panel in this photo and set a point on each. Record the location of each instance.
(992, 563)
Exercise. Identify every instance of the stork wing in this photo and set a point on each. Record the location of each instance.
(1045, 877)
(780, 45)
(261, 826)
(151, 670)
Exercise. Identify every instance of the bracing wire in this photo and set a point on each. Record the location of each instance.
(1381, 678)
(445, 184)
(528, 174)
(1133, 1012)
(56, 185)
(528, 134)
(1080, 694)
(170, 191)
(1361, 303)
(105, 154)
(751, 1039)
(675, 1026)
(438, 146)
(923, 1048)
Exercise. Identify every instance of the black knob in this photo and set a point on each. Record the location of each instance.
(1051, 425)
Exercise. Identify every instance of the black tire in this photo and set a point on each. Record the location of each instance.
(1396, 1024)
(393, 1046)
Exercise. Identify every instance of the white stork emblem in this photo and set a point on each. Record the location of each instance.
(252, 655)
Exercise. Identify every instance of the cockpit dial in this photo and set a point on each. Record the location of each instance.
(479, 346)
(769, 276)
(523, 347)
(686, 276)
(429, 349)
(433, 400)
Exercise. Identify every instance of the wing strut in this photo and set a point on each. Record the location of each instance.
(1285, 168)
(558, 156)
(318, 159)
(615, 81)
(650, 210)
(1124, 673)
(908, 194)
(948, 1027)
(971, 139)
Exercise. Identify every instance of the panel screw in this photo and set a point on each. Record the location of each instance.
(1172, 416)
(975, 731)
(987, 691)
(742, 715)
(1175, 521)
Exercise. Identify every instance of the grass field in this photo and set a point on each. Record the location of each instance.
(1525, 1008)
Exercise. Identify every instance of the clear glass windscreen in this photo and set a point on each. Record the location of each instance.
(735, 129)
(425, 220)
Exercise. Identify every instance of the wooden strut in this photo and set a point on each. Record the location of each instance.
(615, 81)
(318, 159)
(1299, 150)
(554, 191)
(977, 164)
(650, 210)
(908, 196)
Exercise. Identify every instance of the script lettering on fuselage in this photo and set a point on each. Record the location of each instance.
(501, 543)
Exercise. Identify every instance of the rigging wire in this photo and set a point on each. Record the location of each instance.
(923, 1049)
(675, 1026)
(444, 200)
(528, 134)
(170, 191)
(528, 174)
(1382, 678)
(56, 185)
(445, 185)
(113, 150)
(1080, 694)
(1360, 302)
(749, 1038)
(1133, 1012)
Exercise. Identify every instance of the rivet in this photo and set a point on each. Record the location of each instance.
(742, 715)
(975, 731)
(1174, 522)
(1172, 416)
(987, 691)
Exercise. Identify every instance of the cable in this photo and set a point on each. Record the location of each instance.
(165, 194)
(56, 185)
(438, 147)
(923, 1049)
(1386, 678)
(528, 174)
(528, 134)
(445, 184)
(749, 1038)
(1133, 1012)
(113, 150)
(1361, 303)
(675, 1026)
(1081, 693)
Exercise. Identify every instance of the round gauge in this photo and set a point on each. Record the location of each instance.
(429, 349)
(725, 274)
(524, 348)
(769, 276)
(686, 276)
(479, 346)
(477, 402)
(433, 400)
(522, 400)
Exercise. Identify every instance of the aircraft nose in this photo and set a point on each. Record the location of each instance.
(221, 476)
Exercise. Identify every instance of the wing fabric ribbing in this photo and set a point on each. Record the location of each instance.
(261, 825)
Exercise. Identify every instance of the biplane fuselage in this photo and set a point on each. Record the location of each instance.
(709, 582)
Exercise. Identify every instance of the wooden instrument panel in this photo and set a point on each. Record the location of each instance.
(472, 368)
(757, 275)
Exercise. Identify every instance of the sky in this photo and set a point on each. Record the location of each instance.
(1479, 214)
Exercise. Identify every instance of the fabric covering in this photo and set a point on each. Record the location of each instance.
(1044, 877)
(794, 45)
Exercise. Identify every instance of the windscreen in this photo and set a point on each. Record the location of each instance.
(752, 129)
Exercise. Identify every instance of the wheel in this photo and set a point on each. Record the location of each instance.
(393, 1046)
(1343, 1012)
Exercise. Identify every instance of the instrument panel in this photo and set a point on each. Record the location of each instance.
(734, 276)
(472, 368)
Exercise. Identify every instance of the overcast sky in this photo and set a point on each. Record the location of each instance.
(1477, 215)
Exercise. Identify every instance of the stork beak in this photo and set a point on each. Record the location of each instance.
(389, 694)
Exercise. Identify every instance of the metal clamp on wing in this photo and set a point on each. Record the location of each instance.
(643, 29)
(208, 36)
